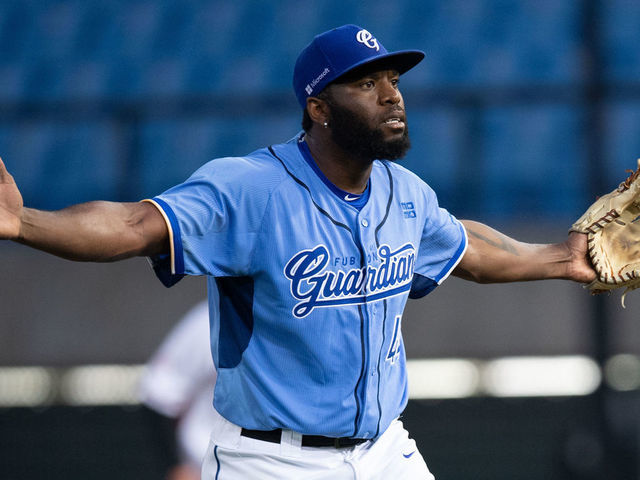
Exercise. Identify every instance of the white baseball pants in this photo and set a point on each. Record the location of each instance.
(231, 456)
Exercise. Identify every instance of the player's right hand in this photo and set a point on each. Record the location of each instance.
(11, 205)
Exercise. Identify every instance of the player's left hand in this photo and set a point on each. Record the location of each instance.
(612, 227)
(580, 268)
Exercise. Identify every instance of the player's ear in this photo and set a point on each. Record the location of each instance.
(318, 110)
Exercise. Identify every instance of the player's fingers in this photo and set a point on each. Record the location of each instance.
(5, 176)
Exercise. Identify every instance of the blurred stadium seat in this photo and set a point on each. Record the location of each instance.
(173, 149)
(493, 43)
(135, 56)
(434, 155)
(622, 144)
(74, 161)
(620, 27)
(533, 162)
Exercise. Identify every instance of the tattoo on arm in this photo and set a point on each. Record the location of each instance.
(501, 243)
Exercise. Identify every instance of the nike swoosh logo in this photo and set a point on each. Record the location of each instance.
(409, 455)
(349, 198)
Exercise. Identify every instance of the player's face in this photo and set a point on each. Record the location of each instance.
(367, 116)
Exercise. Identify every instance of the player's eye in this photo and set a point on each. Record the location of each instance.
(368, 84)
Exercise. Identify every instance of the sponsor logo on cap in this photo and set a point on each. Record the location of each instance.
(364, 37)
(310, 86)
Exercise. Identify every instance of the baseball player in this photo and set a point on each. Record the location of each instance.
(178, 384)
(311, 249)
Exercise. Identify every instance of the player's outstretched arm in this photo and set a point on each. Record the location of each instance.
(493, 257)
(94, 231)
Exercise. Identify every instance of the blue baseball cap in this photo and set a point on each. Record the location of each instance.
(336, 52)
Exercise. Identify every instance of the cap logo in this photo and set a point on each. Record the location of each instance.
(364, 37)
(310, 86)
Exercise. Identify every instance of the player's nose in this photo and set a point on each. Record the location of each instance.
(389, 92)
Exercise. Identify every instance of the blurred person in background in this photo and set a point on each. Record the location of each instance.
(177, 385)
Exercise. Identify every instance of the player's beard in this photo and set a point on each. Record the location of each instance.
(352, 133)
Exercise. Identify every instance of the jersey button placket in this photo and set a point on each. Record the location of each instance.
(373, 348)
(363, 239)
(374, 318)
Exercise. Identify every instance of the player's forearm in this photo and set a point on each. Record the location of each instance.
(493, 257)
(94, 231)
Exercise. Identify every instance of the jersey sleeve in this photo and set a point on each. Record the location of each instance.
(213, 219)
(442, 246)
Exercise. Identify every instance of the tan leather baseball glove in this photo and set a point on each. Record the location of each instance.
(612, 225)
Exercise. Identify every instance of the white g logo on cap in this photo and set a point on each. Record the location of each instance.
(364, 37)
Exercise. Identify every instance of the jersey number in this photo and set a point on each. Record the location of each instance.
(394, 348)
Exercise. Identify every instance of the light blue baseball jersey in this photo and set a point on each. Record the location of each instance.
(306, 291)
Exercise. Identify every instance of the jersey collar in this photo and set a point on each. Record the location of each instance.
(356, 200)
